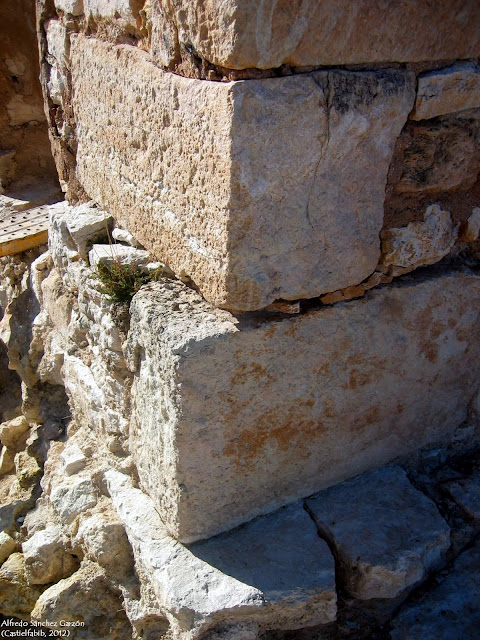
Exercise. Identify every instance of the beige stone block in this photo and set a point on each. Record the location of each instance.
(448, 90)
(236, 417)
(254, 189)
(239, 34)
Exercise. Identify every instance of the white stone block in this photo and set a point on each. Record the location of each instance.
(234, 417)
(275, 571)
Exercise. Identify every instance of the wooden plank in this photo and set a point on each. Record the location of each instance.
(22, 230)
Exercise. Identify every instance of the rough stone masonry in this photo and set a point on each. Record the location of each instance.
(271, 438)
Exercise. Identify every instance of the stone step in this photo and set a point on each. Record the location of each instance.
(276, 572)
(272, 570)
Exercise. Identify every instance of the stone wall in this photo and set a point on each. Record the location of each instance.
(271, 188)
(305, 203)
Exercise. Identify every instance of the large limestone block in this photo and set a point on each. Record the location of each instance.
(454, 88)
(240, 34)
(253, 189)
(235, 417)
(386, 534)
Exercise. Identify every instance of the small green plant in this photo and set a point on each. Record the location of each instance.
(122, 281)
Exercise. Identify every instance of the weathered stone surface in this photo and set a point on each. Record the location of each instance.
(275, 571)
(215, 397)
(73, 459)
(454, 88)
(103, 535)
(239, 34)
(11, 432)
(466, 493)
(449, 611)
(85, 598)
(72, 496)
(206, 175)
(46, 559)
(471, 230)
(439, 156)
(109, 253)
(17, 596)
(7, 546)
(419, 243)
(57, 56)
(73, 7)
(386, 534)
(282, 556)
(86, 222)
(356, 291)
(7, 461)
(125, 10)
(121, 235)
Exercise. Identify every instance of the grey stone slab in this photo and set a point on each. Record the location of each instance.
(282, 555)
(386, 534)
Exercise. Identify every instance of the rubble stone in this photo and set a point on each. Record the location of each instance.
(46, 559)
(7, 546)
(85, 222)
(73, 459)
(120, 235)
(449, 611)
(466, 493)
(454, 88)
(215, 397)
(419, 243)
(73, 496)
(7, 461)
(13, 430)
(471, 231)
(262, 230)
(85, 598)
(439, 157)
(73, 7)
(17, 596)
(103, 536)
(387, 535)
(109, 253)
